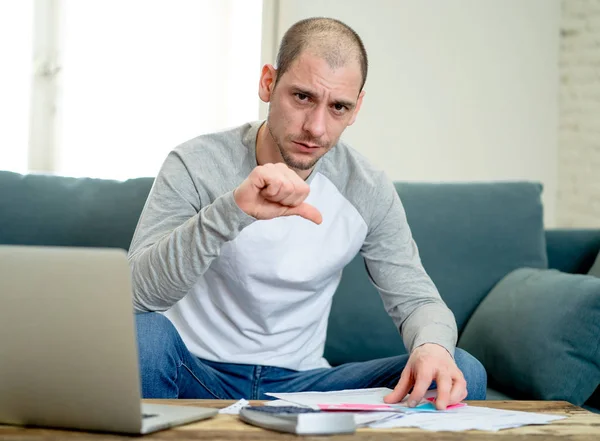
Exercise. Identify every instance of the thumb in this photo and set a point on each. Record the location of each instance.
(306, 211)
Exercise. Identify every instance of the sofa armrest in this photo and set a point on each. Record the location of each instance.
(572, 250)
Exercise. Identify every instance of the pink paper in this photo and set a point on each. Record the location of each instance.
(353, 406)
(452, 406)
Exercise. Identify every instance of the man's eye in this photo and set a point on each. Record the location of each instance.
(301, 96)
(339, 107)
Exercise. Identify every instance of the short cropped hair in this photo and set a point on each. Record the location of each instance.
(329, 38)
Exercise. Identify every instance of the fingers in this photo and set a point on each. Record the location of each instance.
(422, 383)
(282, 185)
(444, 385)
(459, 390)
(271, 189)
(299, 191)
(274, 190)
(428, 363)
(401, 388)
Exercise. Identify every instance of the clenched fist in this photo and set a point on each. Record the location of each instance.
(274, 190)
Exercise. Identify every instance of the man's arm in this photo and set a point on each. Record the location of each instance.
(177, 238)
(427, 325)
(395, 268)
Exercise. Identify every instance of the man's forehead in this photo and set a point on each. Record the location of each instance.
(311, 69)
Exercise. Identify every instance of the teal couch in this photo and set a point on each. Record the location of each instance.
(470, 235)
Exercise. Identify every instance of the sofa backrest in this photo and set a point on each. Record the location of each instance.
(62, 211)
(469, 236)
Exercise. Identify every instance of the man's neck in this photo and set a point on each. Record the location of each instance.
(267, 151)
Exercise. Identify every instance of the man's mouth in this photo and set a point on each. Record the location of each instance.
(306, 145)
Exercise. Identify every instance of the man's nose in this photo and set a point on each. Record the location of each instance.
(315, 122)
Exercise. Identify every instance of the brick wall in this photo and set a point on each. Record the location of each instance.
(578, 202)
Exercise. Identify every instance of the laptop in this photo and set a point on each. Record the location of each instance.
(68, 352)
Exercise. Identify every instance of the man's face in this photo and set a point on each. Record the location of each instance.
(310, 107)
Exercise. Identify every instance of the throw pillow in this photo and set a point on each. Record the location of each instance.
(537, 332)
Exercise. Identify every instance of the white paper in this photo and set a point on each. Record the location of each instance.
(462, 418)
(234, 409)
(468, 418)
(347, 396)
(354, 396)
(363, 419)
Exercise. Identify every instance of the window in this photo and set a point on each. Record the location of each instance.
(16, 33)
(138, 77)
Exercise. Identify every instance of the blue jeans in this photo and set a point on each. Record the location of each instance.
(169, 370)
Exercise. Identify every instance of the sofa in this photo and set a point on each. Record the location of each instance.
(483, 244)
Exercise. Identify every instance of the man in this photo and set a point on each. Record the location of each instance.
(244, 236)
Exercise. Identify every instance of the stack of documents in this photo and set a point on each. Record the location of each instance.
(467, 418)
(369, 410)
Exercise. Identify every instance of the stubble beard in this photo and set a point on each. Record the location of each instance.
(289, 160)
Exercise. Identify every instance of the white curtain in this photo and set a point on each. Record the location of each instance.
(16, 34)
(139, 77)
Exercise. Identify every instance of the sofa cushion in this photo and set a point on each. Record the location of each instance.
(494, 395)
(572, 250)
(537, 333)
(469, 236)
(594, 400)
(595, 269)
(61, 211)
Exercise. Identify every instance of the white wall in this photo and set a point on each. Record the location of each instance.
(579, 136)
(457, 90)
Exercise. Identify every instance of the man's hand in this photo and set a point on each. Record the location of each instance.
(274, 190)
(427, 363)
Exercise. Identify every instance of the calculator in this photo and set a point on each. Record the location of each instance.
(298, 420)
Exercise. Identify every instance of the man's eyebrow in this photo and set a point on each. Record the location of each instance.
(349, 104)
(308, 93)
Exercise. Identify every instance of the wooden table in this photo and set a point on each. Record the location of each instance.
(580, 425)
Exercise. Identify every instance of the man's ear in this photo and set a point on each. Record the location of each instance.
(268, 76)
(357, 108)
